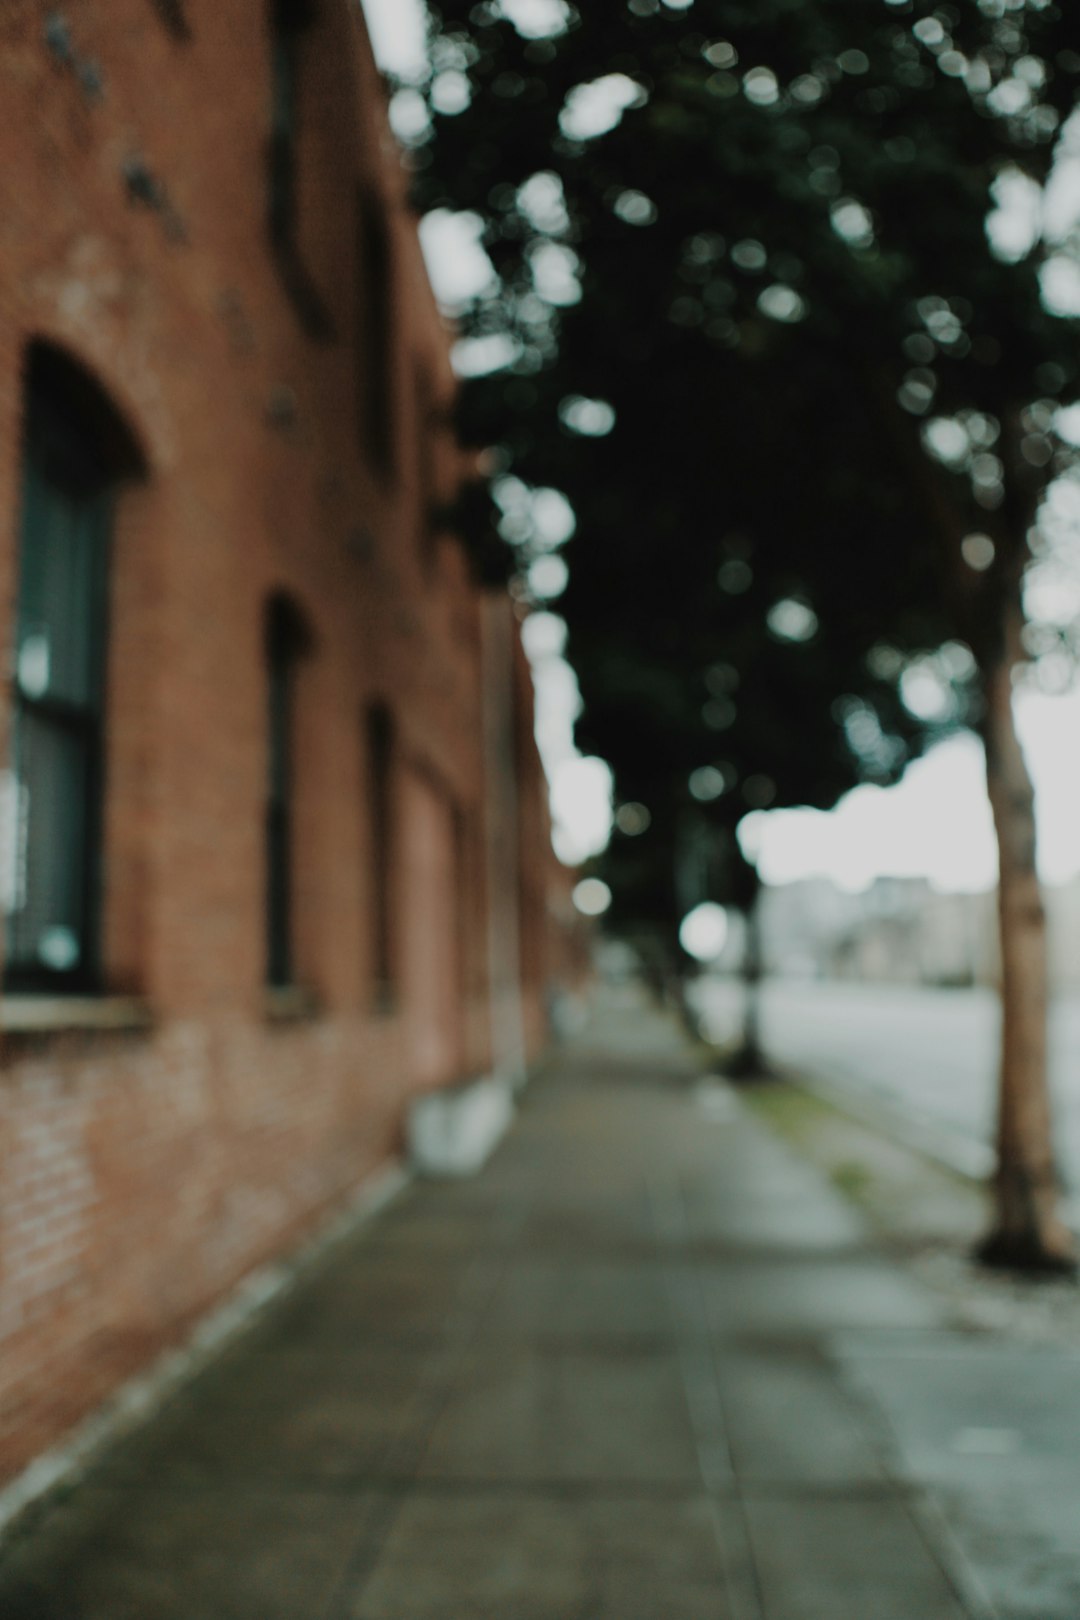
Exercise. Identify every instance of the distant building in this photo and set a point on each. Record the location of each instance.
(901, 931)
(1063, 916)
(800, 924)
(273, 837)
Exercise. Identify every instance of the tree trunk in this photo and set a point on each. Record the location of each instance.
(1028, 1232)
(752, 973)
(749, 1061)
(664, 972)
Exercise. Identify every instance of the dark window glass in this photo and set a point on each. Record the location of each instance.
(290, 21)
(286, 24)
(284, 645)
(380, 750)
(375, 334)
(174, 15)
(427, 446)
(52, 892)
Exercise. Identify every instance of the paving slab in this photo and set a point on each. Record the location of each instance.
(371, 1295)
(962, 1406)
(790, 1422)
(560, 1415)
(993, 1429)
(1021, 1543)
(435, 1220)
(361, 1415)
(819, 1560)
(805, 1298)
(559, 1300)
(799, 1214)
(158, 1553)
(623, 1228)
(536, 1558)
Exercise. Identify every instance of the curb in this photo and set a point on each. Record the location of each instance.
(137, 1400)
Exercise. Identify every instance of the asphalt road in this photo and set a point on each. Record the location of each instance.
(926, 1057)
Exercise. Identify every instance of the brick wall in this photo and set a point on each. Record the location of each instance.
(144, 1170)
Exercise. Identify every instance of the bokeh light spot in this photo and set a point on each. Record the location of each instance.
(633, 819)
(977, 551)
(592, 418)
(708, 782)
(735, 576)
(703, 932)
(592, 897)
(792, 620)
(781, 303)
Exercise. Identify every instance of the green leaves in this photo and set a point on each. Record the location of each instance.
(784, 273)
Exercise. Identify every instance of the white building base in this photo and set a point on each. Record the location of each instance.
(455, 1132)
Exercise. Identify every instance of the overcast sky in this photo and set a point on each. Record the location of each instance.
(397, 34)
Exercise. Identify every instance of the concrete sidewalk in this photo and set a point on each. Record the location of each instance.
(646, 1366)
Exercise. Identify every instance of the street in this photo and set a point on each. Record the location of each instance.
(927, 1056)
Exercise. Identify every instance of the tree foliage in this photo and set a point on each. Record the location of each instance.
(783, 274)
(751, 325)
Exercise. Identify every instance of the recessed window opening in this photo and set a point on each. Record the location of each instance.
(374, 334)
(380, 767)
(287, 642)
(291, 21)
(288, 21)
(173, 14)
(427, 453)
(75, 454)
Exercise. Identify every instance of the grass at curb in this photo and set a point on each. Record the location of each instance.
(910, 1200)
(928, 1216)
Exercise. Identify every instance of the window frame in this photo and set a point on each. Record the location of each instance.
(66, 456)
(286, 644)
(380, 739)
(174, 19)
(289, 21)
(376, 330)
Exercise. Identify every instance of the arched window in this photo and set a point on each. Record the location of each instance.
(75, 452)
(287, 641)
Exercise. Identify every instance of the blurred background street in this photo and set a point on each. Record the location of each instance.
(927, 1055)
(539, 805)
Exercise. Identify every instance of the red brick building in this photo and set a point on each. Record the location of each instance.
(273, 847)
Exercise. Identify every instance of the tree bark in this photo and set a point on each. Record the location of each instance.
(749, 1061)
(1028, 1232)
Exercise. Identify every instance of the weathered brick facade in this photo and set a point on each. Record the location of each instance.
(284, 383)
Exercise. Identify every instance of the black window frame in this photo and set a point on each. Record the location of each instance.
(76, 453)
(381, 752)
(376, 382)
(428, 426)
(290, 22)
(286, 644)
(173, 15)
